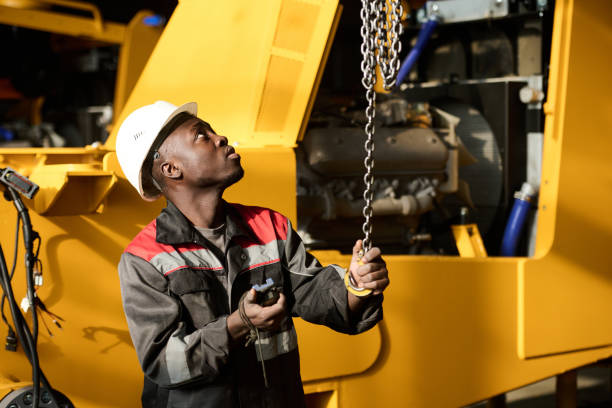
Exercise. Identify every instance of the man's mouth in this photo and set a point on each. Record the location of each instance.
(231, 153)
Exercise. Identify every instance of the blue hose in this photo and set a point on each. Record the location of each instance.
(426, 31)
(516, 221)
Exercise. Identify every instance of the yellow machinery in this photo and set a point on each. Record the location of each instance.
(456, 330)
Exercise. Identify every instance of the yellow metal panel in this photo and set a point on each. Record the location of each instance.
(70, 189)
(269, 180)
(319, 75)
(294, 30)
(321, 394)
(277, 94)
(137, 46)
(449, 337)
(251, 70)
(468, 240)
(566, 292)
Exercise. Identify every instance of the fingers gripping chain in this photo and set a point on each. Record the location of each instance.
(351, 284)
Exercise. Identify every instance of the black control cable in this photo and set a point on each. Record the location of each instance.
(14, 184)
(11, 340)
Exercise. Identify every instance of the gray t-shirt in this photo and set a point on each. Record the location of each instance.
(216, 236)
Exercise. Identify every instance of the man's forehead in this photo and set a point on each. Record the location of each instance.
(194, 123)
(184, 131)
(190, 126)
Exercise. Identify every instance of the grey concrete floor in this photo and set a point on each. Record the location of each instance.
(593, 391)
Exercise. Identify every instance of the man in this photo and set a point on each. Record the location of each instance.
(187, 277)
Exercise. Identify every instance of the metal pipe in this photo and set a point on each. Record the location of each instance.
(332, 207)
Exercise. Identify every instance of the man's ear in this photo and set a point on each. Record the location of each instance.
(170, 170)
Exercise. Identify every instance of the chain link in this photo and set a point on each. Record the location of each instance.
(380, 31)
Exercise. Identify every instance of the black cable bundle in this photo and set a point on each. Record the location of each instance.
(11, 340)
(27, 338)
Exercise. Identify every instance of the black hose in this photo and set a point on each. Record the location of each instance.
(31, 339)
(29, 255)
(21, 326)
(15, 252)
(18, 319)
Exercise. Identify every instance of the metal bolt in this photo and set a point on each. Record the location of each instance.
(27, 399)
(421, 15)
(464, 212)
(13, 406)
(45, 397)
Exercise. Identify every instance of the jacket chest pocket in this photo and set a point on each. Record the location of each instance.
(256, 276)
(203, 296)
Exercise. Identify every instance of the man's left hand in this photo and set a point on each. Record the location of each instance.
(369, 271)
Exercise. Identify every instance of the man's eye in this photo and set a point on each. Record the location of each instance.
(202, 135)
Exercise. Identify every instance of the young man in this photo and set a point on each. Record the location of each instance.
(187, 277)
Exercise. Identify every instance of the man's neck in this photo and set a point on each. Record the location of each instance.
(203, 208)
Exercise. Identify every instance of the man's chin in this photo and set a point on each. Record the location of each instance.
(234, 177)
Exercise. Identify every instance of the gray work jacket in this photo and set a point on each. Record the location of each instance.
(176, 309)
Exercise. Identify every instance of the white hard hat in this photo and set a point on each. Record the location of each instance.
(138, 133)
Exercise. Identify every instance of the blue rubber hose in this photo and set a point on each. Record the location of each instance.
(426, 31)
(516, 221)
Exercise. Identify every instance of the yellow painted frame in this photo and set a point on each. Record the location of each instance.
(565, 292)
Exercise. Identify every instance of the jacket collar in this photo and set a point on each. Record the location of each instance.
(172, 227)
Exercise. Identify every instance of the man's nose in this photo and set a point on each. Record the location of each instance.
(221, 141)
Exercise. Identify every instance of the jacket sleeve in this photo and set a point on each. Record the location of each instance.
(168, 354)
(318, 294)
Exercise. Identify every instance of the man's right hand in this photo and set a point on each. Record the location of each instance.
(264, 317)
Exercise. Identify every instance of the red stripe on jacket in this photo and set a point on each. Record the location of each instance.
(267, 226)
(145, 246)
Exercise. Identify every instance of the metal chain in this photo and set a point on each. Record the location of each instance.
(388, 32)
(380, 31)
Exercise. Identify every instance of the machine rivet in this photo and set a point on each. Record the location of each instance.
(421, 17)
(27, 399)
(45, 397)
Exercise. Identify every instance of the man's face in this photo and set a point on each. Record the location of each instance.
(204, 158)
